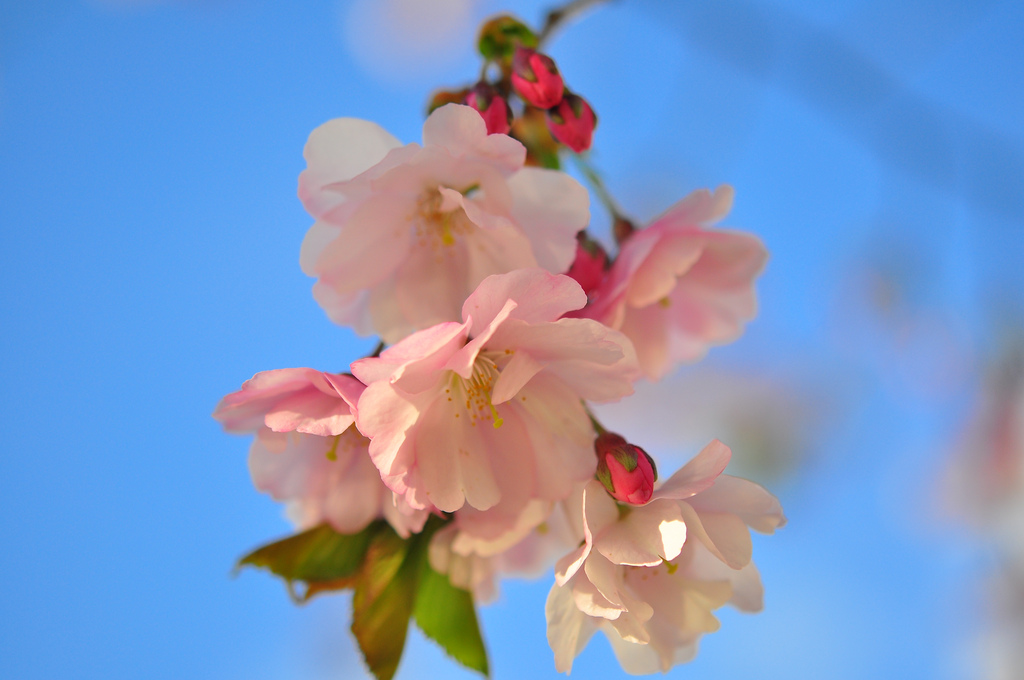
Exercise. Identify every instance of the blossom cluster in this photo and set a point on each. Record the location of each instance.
(466, 442)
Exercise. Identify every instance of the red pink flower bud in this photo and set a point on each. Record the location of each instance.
(572, 122)
(625, 470)
(496, 112)
(535, 77)
(589, 266)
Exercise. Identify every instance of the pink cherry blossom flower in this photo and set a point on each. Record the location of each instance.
(488, 412)
(307, 452)
(642, 574)
(678, 288)
(475, 553)
(403, 234)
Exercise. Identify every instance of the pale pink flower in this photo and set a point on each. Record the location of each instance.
(985, 480)
(474, 555)
(650, 575)
(404, 234)
(308, 454)
(488, 412)
(678, 288)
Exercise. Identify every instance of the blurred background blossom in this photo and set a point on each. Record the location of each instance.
(149, 152)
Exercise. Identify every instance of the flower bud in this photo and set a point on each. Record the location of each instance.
(572, 122)
(536, 78)
(625, 470)
(500, 36)
(589, 266)
(496, 112)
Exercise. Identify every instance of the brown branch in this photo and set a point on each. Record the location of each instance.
(558, 16)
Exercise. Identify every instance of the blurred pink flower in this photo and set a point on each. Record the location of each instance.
(404, 233)
(985, 480)
(651, 575)
(677, 288)
(307, 454)
(488, 412)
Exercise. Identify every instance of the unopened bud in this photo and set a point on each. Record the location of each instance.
(589, 266)
(536, 78)
(500, 36)
(496, 112)
(572, 122)
(625, 470)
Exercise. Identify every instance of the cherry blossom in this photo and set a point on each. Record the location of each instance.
(487, 412)
(403, 234)
(307, 452)
(678, 288)
(651, 575)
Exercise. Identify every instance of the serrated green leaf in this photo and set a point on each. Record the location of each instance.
(383, 601)
(320, 557)
(446, 615)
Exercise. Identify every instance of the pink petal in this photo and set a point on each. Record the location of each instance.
(342, 148)
(697, 475)
(551, 207)
(462, 131)
(560, 433)
(724, 535)
(758, 508)
(648, 535)
(648, 329)
(453, 460)
(416, 359)
(370, 247)
(701, 207)
(540, 296)
(569, 629)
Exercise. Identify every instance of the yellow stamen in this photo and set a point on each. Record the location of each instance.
(332, 453)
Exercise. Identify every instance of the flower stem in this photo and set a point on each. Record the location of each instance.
(597, 184)
(598, 428)
(559, 15)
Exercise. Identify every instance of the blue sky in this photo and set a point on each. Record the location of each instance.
(150, 232)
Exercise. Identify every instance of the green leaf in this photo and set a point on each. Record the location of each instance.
(320, 557)
(446, 614)
(383, 600)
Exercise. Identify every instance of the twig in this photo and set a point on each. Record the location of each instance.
(559, 15)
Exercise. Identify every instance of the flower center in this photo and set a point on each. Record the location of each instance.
(474, 393)
(348, 440)
(436, 228)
